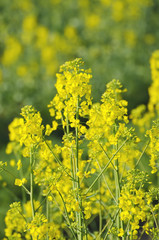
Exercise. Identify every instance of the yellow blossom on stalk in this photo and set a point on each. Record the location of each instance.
(50, 198)
(19, 164)
(154, 88)
(73, 94)
(103, 117)
(87, 210)
(26, 131)
(39, 228)
(15, 222)
(121, 232)
(48, 130)
(153, 149)
(107, 128)
(135, 202)
(54, 125)
(20, 182)
(141, 116)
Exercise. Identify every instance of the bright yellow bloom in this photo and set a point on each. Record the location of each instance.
(73, 94)
(121, 232)
(20, 182)
(19, 164)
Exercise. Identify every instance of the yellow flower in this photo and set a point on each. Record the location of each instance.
(54, 125)
(48, 130)
(20, 182)
(121, 232)
(73, 94)
(19, 164)
(50, 198)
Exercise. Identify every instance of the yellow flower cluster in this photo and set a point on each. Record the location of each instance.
(15, 223)
(109, 113)
(134, 203)
(108, 130)
(153, 104)
(80, 179)
(73, 95)
(153, 149)
(140, 116)
(26, 131)
(134, 209)
(20, 182)
(39, 228)
(19, 227)
(144, 119)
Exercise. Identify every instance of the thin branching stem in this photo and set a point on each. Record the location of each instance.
(142, 154)
(31, 182)
(106, 166)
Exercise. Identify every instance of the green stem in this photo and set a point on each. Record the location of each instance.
(117, 185)
(158, 210)
(155, 220)
(66, 170)
(142, 154)
(27, 191)
(31, 183)
(107, 184)
(106, 166)
(78, 214)
(111, 224)
(100, 210)
(47, 215)
(67, 217)
(106, 155)
(21, 177)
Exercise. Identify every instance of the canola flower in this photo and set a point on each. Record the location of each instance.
(93, 174)
(25, 132)
(146, 117)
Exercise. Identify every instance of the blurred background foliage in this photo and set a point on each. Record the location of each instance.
(114, 38)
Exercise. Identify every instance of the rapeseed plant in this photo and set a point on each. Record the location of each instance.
(78, 190)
